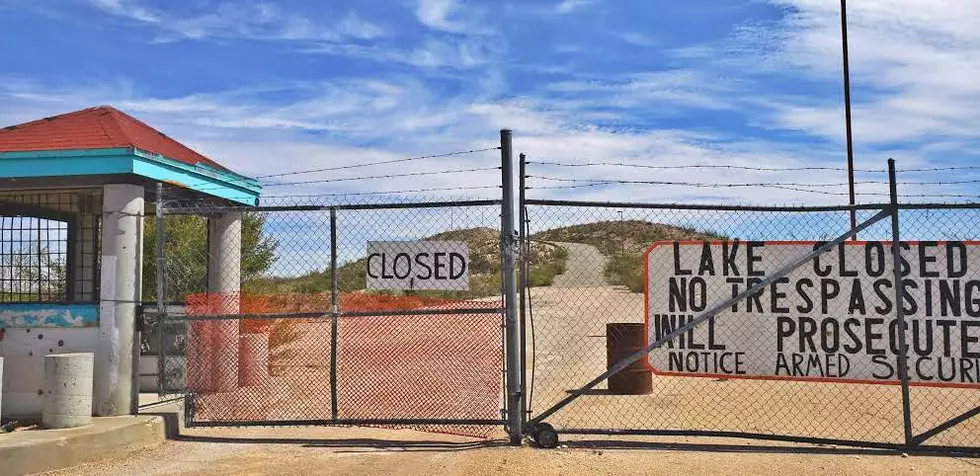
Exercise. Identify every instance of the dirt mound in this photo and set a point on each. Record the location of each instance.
(629, 236)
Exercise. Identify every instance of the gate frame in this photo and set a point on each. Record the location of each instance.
(513, 412)
(334, 314)
(547, 436)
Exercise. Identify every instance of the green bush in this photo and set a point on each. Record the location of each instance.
(626, 270)
(543, 274)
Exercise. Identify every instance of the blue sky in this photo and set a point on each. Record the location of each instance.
(279, 85)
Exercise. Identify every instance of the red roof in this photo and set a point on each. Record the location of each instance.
(99, 127)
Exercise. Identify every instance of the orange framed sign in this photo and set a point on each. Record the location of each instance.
(833, 319)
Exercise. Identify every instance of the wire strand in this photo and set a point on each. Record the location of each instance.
(374, 177)
(672, 167)
(382, 162)
(700, 184)
(745, 167)
(344, 194)
(388, 192)
(760, 185)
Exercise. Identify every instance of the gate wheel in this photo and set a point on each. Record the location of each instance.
(545, 436)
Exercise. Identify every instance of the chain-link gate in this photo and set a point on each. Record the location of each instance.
(757, 322)
(293, 336)
(304, 313)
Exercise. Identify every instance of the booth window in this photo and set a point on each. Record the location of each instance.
(48, 248)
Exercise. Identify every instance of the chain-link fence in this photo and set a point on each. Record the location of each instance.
(387, 314)
(814, 355)
(765, 322)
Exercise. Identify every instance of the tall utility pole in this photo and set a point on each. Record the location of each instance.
(847, 113)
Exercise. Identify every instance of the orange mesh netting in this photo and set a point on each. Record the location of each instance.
(428, 366)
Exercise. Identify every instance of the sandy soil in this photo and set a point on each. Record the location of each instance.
(229, 451)
(570, 320)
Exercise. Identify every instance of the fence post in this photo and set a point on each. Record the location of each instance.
(903, 369)
(522, 284)
(334, 309)
(508, 240)
(161, 237)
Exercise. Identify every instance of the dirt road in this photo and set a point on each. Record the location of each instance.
(300, 451)
(583, 268)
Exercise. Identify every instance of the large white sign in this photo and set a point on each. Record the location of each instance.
(832, 319)
(418, 265)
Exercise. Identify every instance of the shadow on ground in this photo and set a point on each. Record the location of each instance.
(613, 445)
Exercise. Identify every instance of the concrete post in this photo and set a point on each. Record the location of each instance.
(118, 350)
(1, 388)
(224, 286)
(67, 398)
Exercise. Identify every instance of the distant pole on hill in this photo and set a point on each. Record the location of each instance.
(847, 112)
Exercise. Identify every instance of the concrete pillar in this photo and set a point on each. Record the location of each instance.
(253, 360)
(118, 350)
(67, 398)
(224, 286)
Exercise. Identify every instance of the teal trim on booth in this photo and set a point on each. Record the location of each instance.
(219, 183)
(57, 163)
(66, 315)
(114, 161)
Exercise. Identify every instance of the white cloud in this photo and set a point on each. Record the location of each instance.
(569, 6)
(637, 39)
(913, 85)
(450, 16)
(913, 67)
(251, 20)
(435, 13)
(687, 88)
(449, 53)
(327, 123)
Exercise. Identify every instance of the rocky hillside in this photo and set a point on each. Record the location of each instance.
(624, 242)
(629, 236)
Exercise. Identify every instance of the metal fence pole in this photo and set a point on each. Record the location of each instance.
(334, 311)
(522, 285)
(903, 373)
(508, 239)
(160, 237)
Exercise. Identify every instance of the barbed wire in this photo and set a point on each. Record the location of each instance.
(759, 185)
(388, 192)
(942, 182)
(381, 162)
(790, 188)
(339, 194)
(702, 184)
(743, 167)
(693, 166)
(387, 176)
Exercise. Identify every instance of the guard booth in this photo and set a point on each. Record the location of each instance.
(76, 192)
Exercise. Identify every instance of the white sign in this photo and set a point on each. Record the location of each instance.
(418, 265)
(832, 319)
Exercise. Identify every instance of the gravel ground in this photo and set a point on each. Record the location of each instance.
(229, 451)
(570, 322)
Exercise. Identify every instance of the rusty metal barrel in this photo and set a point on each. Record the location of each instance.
(623, 340)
